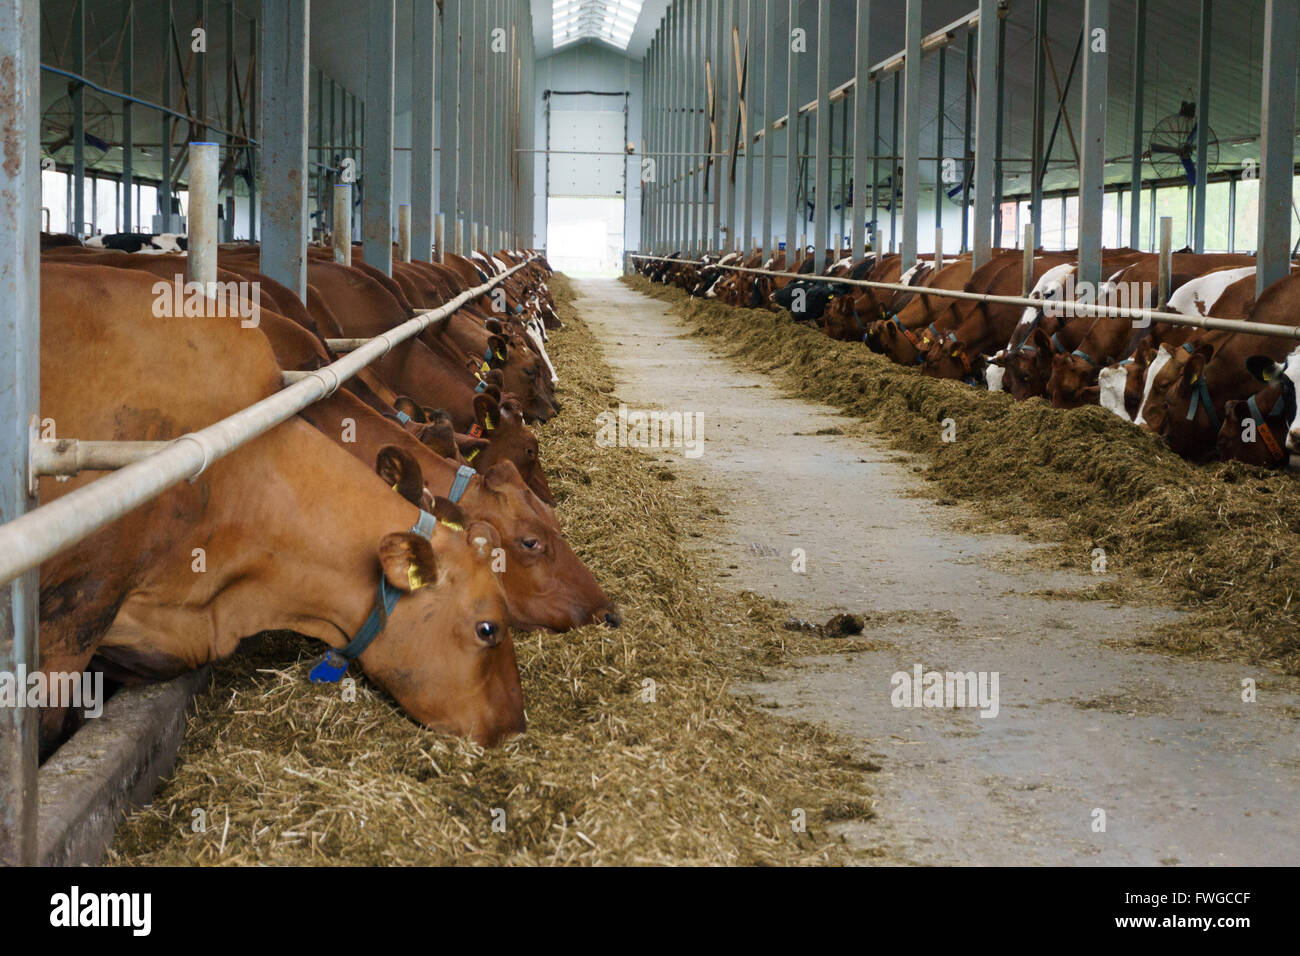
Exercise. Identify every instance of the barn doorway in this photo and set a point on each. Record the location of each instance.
(586, 181)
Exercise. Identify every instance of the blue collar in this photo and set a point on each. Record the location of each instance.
(333, 664)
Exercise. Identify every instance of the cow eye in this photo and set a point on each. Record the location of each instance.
(530, 544)
(486, 631)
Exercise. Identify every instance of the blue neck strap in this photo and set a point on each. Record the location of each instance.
(463, 474)
(333, 664)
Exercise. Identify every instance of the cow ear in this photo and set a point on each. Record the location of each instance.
(497, 345)
(1262, 367)
(495, 327)
(501, 477)
(487, 412)
(470, 448)
(449, 513)
(1196, 363)
(1041, 341)
(400, 472)
(497, 379)
(408, 561)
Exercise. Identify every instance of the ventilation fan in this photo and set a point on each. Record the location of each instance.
(99, 129)
(1172, 148)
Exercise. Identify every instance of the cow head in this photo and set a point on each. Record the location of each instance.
(446, 654)
(508, 439)
(546, 584)
(1285, 376)
(1073, 380)
(1029, 367)
(952, 358)
(1168, 409)
(526, 375)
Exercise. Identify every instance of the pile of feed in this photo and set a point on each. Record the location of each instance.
(1220, 541)
(283, 771)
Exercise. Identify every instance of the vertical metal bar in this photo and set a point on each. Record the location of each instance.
(205, 175)
(986, 117)
(731, 123)
(750, 49)
(713, 50)
(165, 186)
(449, 91)
(997, 146)
(861, 75)
(698, 54)
(688, 121)
(1139, 139)
(285, 26)
(1232, 214)
(1027, 260)
(251, 154)
(20, 352)
(1202, 131)
(200, 125)
(404, 231)
(1164, 267)
(79, 121)
(1092, 173)
(128, 133)
(471, 88)
(822, 148)
(968, 127)
(939, 184)
(765, 185)
(1277, 141)
(675, 165)
(1040, 94)
(424, 196)
(875, 169)
(342, 234)
(232, 146)
(377, 203)
(912, 134)
(792, 219)
(895, 167)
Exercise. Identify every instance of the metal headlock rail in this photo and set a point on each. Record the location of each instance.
(1080, 308)
(32, 538)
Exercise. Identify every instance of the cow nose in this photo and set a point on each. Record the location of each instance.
(613, 617)
(1293, 440)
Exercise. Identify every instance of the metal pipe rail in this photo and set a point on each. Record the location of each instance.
(38, 535)
(1101, 311)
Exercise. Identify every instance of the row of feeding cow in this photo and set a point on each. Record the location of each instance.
(405, 521)
(1206, 393)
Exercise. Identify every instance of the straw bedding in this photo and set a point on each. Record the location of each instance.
(285, 772)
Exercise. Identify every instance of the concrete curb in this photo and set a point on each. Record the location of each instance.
(111, 765)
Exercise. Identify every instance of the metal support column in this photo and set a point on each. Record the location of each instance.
(1139, 139)
(128, 133)
(940, 141)
(1277, 141)
(1202, 131)
(997, 146)
(821, 191)
(1092, 145)
(911, 133)
(423, 99)
(377, 202)
(792, 217)
(77, 93)
(861, 73)
(285, 26)
(986, 117)
(450, 94)
(749, 55)
(1040, 94)
(20, 366)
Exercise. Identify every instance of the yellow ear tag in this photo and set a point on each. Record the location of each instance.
(395, 484)
(485, 368)
(452, 525)
(472, 455)
(501, 355)
(1196, 378)
(413, 578)
(487, 423)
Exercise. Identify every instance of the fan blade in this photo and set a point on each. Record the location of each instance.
(1157, 148)
(1190, 168)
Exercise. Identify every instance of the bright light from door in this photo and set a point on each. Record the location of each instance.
(584, 236)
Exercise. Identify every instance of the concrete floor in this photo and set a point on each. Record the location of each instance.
(1184, 770)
